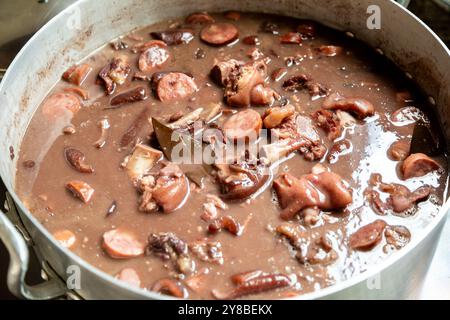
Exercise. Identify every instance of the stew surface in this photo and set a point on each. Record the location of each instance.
(324, 159)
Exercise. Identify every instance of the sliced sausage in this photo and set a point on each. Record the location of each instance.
(175, 86)
(130, 276)
(174, 36)
(219, 34)
(199, 18)
(60, 104)
(241, 278)
(367, 237)
(359, 107)
(153, 57)
(291, 38)
(65, 237)
(155, 79)
(142, 46)
(330, 51)
(170, 287)
(121, 244)
(244, 125)
(133, 95)
(417, 165)
(399, 150)
(77, 74)
(261, 283)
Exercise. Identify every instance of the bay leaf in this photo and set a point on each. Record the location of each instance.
(169, 138)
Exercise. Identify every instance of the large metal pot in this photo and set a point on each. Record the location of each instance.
(88, 24)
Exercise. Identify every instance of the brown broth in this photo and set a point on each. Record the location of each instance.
(357, 72)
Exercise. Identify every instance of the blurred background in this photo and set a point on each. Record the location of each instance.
(20, 19)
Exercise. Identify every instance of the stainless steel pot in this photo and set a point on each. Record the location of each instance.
(88, 24)
(20, 19)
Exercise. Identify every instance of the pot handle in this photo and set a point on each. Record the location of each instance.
(404, 3)
(18, 266)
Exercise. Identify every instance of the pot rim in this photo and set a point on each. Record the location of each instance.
(318, 294)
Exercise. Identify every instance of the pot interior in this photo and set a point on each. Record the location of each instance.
(87, 25)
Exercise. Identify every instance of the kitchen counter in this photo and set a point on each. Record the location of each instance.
(437, 283)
